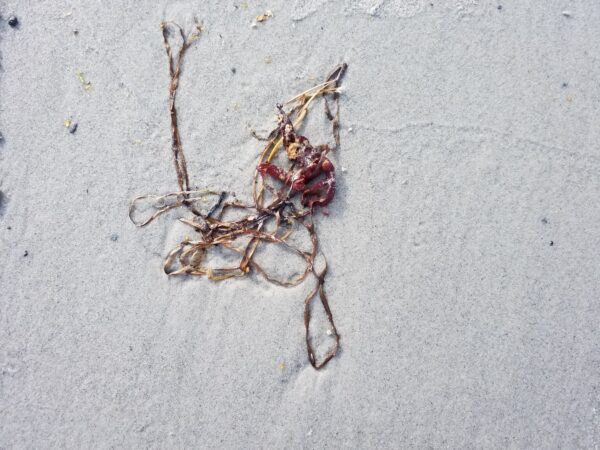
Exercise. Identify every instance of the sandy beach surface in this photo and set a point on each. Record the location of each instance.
(463, 240)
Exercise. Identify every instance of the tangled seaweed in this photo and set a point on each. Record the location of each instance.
(274, 215)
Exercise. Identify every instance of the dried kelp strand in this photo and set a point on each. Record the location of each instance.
(278, 210)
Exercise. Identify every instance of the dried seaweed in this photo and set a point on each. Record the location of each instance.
(275, 213)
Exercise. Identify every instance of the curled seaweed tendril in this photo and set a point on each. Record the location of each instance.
(274, 215)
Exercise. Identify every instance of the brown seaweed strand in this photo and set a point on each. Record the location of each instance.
(191, 257)
(335, 77)
(175, 72)
(320, 290)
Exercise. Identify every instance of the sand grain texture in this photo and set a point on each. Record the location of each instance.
(473, 147)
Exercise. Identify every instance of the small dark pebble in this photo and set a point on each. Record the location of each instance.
(73, 128)
(26, 253)
(1, 138)
(544, 221)
(76, 32)
(233, 70)
(9, 228)
(551, 243)
(565, 84)
(114, 237)
(499, 7)
(13, 21)
(130, 348)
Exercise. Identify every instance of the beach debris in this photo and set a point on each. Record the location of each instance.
(81, 77)
(70, 125)
(308, 164)
(281, 366)
(268, 60)
(233, 70)
(3, 202)
(25, 254)
(567, 13)
(374, 10)
(1, 138)
(263, 17)
(286, 196)
(255, 135)
(114, 237)
(13, 21)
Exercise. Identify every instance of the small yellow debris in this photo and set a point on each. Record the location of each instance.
(70, 125)
(268, 60)
(281, 366)
(265, 16)
(81, 77)
(292, 151)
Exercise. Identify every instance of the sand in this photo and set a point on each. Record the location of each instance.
(463, 240)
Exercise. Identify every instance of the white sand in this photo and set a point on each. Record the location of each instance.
(462, 327)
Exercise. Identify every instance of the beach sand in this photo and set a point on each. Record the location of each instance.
(462, 242)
